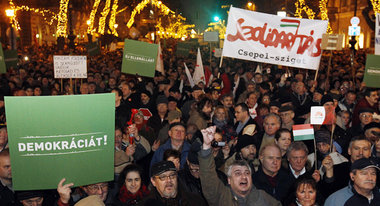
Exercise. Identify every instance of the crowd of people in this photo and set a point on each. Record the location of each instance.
(227, 140)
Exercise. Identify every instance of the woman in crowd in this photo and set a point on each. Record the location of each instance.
(131, 188)
(305, 193)
(283, 140)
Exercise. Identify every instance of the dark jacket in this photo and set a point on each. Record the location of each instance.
(250, 121)
(7, 198)
(182, 199)
(283, 183)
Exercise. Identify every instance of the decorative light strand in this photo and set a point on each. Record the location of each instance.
(62, 18)
(301, 6)
(324, 15)
(90, 29)
(163, 8)
(42, 12)
(13, 20)
(376, 5)
(113, 18)
(102, 20)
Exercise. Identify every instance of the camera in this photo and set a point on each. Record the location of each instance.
(218, 144)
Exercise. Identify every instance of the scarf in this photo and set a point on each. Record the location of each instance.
(127, 197)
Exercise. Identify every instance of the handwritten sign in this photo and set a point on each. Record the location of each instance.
(273, 39)
(70, 67)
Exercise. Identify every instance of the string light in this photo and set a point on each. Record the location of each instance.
(113, 18)
(13, 20)
(324, 15)
(102, 19)
(90, 29)
(162, 7)
(376, 5)
(43, 12)
(62, 18)
(301, 6)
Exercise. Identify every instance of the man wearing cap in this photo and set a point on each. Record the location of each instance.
(147, 102)
(196, 95)
(370, 100)
(30, 198)
(362, 188)
(177, 133)
(317, 97)
(274, 107)
(337, 174)
(166, 190)
(240, 190)
(372, 132)
(287, 116)
(158, 120)
(365, 117)
(173, 117)
(246, 149)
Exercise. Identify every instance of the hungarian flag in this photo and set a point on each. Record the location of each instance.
(303, 132)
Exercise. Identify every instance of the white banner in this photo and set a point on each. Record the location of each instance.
(377, 34)
(70, 67)
(273, 39)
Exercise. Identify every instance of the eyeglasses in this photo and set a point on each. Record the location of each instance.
(172, 176)
(194, 170)
(366, 115)
(98, 187)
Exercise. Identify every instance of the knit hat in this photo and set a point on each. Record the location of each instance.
(24, 195)
(371, 125)
(322, 136)
(326, 98)
(146, 92)
(162, 100)
(172, 115)
(245, 140)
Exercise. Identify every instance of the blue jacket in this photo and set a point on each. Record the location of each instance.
(159, 154)
(347, 196)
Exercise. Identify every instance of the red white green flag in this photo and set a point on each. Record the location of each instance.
(303, 132)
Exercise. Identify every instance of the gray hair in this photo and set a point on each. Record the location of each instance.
(295, 146)
(278, 118)
(238, 163)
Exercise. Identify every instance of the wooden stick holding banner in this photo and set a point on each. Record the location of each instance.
(315, 155)
(61, 85)
(75, 86)
(71, 86)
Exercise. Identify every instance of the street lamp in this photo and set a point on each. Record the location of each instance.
(88, 22)
(11, 13)
(115, 26)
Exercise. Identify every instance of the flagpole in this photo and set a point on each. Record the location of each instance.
(331, 138)
(315, 155)
(221, 60)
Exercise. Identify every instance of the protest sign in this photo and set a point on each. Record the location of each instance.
(303, 132)
(93, 48)
(11, 58)
(55, 137)
(273, 39)
(3, 68)
(211, 36)
(139, 58)
(70, 67)
(332, 41)
(372, 71)
(317, 115)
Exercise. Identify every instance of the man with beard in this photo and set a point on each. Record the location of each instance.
(166, 189)
(246, 149)
(240, 190)
(202, 114)
(362, 188)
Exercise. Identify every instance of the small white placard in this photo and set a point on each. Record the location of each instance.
(70, 67)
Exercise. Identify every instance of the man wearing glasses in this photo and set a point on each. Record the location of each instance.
(166, 189)
(99, 189)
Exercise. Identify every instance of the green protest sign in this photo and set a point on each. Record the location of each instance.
(93, 48)
(372, 71)
(11, 58)
(139, 58)
(3, 68)
(55, 137)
